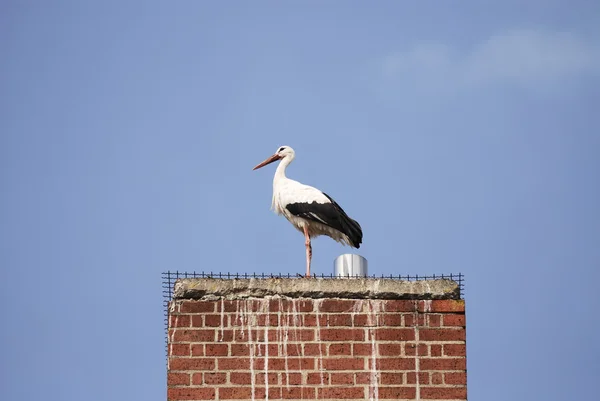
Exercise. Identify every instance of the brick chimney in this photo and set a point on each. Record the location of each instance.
(309, 339)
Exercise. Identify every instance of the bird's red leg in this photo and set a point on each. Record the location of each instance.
(308, 251)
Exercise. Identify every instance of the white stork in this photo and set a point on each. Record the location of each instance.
(311, 211)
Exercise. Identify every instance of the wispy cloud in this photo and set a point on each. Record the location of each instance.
(520, 57)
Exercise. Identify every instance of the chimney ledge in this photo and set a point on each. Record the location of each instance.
(351, 288)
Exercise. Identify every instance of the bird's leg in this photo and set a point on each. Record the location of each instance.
(308, 251)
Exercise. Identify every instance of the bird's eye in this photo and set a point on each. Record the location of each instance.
(281, 149)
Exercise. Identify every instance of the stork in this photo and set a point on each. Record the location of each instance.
(311, 211)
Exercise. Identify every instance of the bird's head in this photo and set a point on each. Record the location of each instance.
(281, 153)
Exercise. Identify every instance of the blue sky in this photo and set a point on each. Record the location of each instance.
(463, 136)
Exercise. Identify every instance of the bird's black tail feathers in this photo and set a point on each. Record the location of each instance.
(349, 226)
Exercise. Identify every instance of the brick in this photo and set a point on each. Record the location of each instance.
(259, 349)
(274, 393)
(293, 350)
(362, 349)
(455, 378)
(314, 349)
(240, 378)
(272, 378)
(317, 378)
(304, 306)
(337, 305)
(189, 393)
(225, 335)
(454, 320)
(390, 349)
(192, 364)
(433, 320)
(412, 349)
(367, 320)
(291, 364)
(240, 349)
(197, 349)
(233, 364)
(444, 393)
(213, 320)
(455, 350)
(435, 350)
(342, 335)
(267, 320)
(235, 393)
(198, 380)
(392, 378)
(291, 305)
(393, 363)
(244, 335)
(447, 305)
(311, 320)
(342, 378)
(291, 379)
(214, 378)
(437, 378)
(274, 305)
(400, 306)
(297, 393)
(216, 350)
(442, 364)
(192, 336)
(339, 320)
(414, 319)
(178, 379)
(395, 393)
(340, 349)
(442, 335)
(343, 364)
(197, 306)
(391, 320)
(197, 321)
(258, 363)
(244, 306)
(411, 378)
(239, 320)
(342, 393)
(363, 378)
(362, 320)
(179, 321)
(293, 334)
(179, 349)
(384, 334)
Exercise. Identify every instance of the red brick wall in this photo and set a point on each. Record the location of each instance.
(331, 349)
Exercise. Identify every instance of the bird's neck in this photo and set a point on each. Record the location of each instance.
(280, 172)
(278, 181)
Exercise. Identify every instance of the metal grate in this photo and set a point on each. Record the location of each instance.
(169, 278)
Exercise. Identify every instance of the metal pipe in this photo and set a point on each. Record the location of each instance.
(350, 265)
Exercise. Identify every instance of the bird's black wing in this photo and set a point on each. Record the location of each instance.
(330, 214)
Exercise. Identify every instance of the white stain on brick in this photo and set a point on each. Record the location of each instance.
(222, 318)
(416, 331)
(373, 322)
(249, 322)
(317, 307)
(265, 311)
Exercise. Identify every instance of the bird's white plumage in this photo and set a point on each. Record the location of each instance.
(287, 191)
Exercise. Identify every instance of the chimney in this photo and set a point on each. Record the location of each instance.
(316, 339)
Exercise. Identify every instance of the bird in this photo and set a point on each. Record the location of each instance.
(311, 211)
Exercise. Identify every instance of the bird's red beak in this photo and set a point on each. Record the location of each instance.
(270, 160)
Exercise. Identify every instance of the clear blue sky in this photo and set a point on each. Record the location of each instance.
(463, 136)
